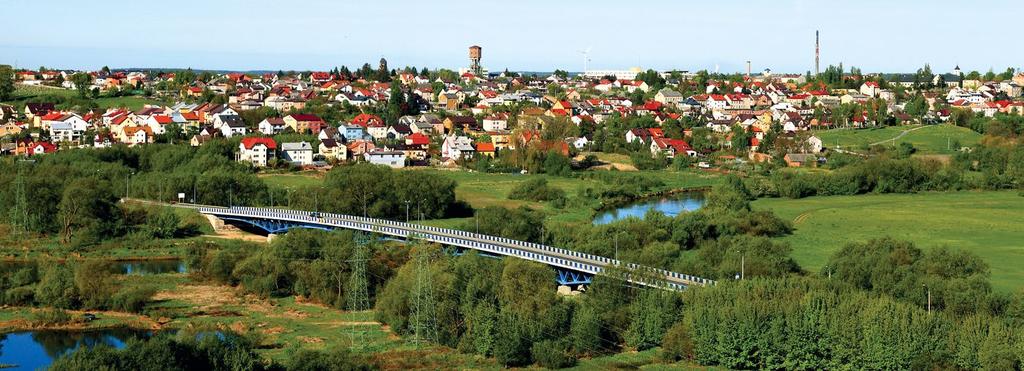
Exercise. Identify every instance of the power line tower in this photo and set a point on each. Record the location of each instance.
(19, 215)
(423, 300)
(358, 292)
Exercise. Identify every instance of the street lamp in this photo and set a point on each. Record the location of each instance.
(742, 264)
(407, 211)
(929, 290)
(127, 191)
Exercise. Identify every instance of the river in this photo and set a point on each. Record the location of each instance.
(670, 205)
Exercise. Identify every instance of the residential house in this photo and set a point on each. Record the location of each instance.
(302, 123)
(353, 132)
(61, 132)
(671, 147)
(358, 147)
(230, 125)
(272, 125)
(496, 122)
(134, 135)
(870, 88)
(486, 149)
(331, 149)
(457, 147)
(300, 153)
(329, 132)
(39, 148)
(394, 159)
(466, 123)
(398, 131)
(257, 151)
(668, 97)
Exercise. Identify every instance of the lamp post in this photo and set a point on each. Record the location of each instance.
(407, 211)
(127, 191)
(743, 264)
(929, 291)
(616, 238)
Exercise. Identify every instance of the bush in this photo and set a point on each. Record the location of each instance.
(536, 189)
(49, 317)
(677, 344)
(132, 299)
(21, 296)
(552, 354)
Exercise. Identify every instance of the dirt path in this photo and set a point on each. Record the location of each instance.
(902, 134)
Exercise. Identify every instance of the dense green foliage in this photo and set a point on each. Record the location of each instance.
(203, 351)
(380, 192)
(817, 324)
(88, 284)
(508, 309)
(311, 263)
(536, 189)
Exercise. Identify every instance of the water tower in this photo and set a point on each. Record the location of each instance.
(475, 52)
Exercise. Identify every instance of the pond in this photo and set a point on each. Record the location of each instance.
(143, 267)
(670, 205)
(33, 350)
(137, 267)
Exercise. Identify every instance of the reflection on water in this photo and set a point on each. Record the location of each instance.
(31, 350)
(670, 205)
(140, 267)
(152, 267)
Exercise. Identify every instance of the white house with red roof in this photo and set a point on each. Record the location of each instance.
(870, 88)
(257, 151)
(671, 147)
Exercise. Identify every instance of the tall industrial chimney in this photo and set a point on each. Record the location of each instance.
(748, 68)
(817, 53)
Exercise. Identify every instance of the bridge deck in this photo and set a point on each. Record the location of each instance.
(568, 259)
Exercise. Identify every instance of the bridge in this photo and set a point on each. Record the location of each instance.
(573, 267)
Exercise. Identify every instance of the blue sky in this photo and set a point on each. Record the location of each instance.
(890, 36)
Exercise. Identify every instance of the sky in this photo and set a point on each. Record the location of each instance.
(523, 35)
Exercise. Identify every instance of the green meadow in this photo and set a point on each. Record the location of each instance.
(986, 223)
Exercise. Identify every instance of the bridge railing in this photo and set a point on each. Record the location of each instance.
(405, 229)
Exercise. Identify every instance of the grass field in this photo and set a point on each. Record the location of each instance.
(484, 189)
(935, 139)
(986, 223)
(27, 93)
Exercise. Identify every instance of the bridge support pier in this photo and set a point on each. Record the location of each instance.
(215, 222)
(270, 237)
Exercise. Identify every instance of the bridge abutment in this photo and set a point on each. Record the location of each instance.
(215, 222)
(271, 237)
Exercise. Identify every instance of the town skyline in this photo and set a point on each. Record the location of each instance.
(901, 38)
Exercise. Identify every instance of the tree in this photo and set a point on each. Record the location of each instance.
(6, 82)
(86, 205)
(82, 83)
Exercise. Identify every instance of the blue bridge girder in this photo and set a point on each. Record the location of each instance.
(276, 226)
(572, 267)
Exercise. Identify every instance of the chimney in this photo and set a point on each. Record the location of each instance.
(748, 68)
(817, 53)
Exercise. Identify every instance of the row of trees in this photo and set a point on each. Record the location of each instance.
(508, 309)
(89, 284)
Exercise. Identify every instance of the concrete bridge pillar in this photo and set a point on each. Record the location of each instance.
(215, 222)
(270, 237)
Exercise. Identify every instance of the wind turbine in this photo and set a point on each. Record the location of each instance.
(586, 58)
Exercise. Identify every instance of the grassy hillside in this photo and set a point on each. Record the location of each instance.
(986, 223)
(932, 139)
(24, 94)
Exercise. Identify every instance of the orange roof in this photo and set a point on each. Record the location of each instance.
(485, 147)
